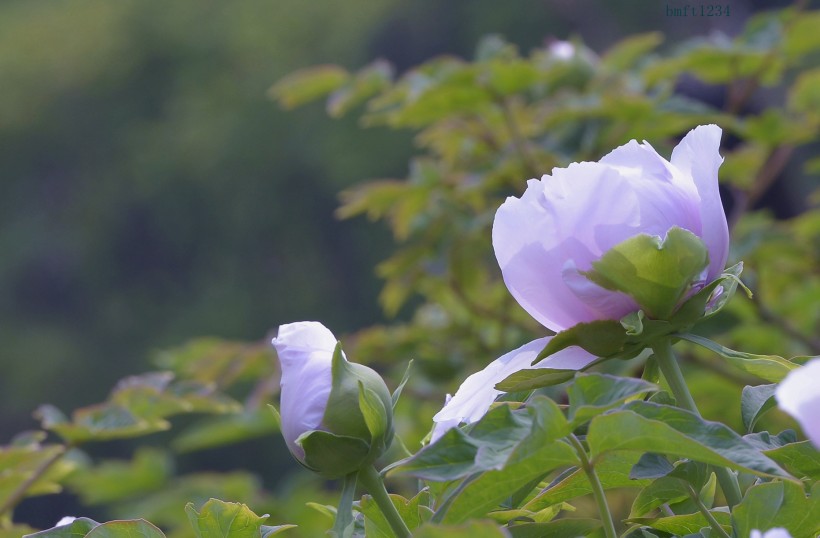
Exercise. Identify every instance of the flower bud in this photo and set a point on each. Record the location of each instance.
(336, 416)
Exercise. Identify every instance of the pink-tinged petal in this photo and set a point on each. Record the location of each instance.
(698, 156)
(666, 197)
(799, 395)
(305, 351)
(567, 216)
(475, 396)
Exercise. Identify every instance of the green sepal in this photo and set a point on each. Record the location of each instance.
(629, 336)
(333, 456)
(359, 405)
(656, 273)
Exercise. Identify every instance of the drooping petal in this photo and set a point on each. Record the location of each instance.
(799, 395)
(305, 351)
(475, 396)
(698, 157)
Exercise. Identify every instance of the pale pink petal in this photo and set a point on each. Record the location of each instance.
(478, 392)
(567, 216)
(799, 395)
(698, 156)
(305, 351)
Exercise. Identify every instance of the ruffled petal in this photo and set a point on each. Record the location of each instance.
(698, 156)
(567, 216)
(475, 396)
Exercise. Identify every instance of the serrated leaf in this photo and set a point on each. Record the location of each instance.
(754, 401)
(102, 422)
(769, 367)
(364, 84)
(220, 519)
(656, 273)
(644, 426)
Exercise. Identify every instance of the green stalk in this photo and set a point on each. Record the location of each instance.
(673, 375)
(597, 488)
(706, 513)
(373, 483)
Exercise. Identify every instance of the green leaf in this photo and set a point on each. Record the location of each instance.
(802, 37)
(397, 393)
(220, 519)
(651, 465)
(661, 491)
(656, 273)
(267, 531)
(562, 528)
(644, 426)
(414, 512)
(601, 338)
(223, 430)
(488, 444)
(76, 529)
(343, 522)
(101, 422)
(472, 529)
(778, 504)
(535, 455)
(754, 401)
(535, 378)
(366, 83)
(592, 394)
(630, 51)
(683, 524)
(132, 528)
(804, 96)
(612, 470)
(769, 367)
(800, 459)
(307, 85)
(115, 480)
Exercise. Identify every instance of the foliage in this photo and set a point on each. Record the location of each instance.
(530, 465)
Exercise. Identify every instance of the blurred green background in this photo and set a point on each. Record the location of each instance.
(151, 192)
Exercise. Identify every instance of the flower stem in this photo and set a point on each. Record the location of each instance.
(597, 488)
(673, 375)
(372, 481)
(706, 513)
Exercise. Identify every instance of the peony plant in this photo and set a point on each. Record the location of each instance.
(550, 244)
